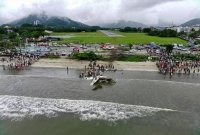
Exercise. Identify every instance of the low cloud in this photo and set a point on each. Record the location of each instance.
(144, 4)
(95, 12)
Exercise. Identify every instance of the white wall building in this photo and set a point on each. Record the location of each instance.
(181, 29)
(196, 27)
(48, 31)
(37, 22)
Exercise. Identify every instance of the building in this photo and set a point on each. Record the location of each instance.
(181, 29)
(177, 28)
(8, 29)
(48, 31)
(185, 29)
(37, 22)
(196, 27)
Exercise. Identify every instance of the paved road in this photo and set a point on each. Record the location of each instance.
(110, 34)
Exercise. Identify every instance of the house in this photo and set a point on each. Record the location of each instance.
(48, 31)
(8, 29)
(181, 29)
(196, 27)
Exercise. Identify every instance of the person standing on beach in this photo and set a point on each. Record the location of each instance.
(85, 69)
(4, 67)
(67, 70)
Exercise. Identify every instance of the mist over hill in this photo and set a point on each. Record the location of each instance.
(49, 21)
(191, 22)
(123, 24)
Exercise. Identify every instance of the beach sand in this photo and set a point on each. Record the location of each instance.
(64, 63)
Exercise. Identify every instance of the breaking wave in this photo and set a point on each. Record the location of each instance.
(19, 107)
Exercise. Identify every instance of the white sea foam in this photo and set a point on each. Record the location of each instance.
(19, 107)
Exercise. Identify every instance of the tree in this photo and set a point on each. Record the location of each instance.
(86, 56)
(12, 35)
(153, 33)
(1, 36)
(130, 46)
(169, 49)
(36, 34)
(6, 44)
(25, 34)
(16, 41)
(113, 55)
(182, 33)
(2, 30)
(193, 30)
(139, 29)
(45, 34)
(197, 41)
(129, 29)
(146, 30)
(163, 33)
(194, 34)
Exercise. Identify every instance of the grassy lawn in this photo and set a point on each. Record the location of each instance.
(129, 38)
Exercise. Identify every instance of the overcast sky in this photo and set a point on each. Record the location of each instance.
(94, 12)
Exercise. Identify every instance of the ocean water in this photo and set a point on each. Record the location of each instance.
(50, 101)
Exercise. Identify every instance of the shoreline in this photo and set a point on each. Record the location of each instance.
(75, 64)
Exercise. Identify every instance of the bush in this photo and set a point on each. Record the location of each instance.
(163, 33)
(51, 56)
(169, 49)
(198, 41)
(87, 56)
(186, 57)
(123, 48)
(134, 58)
(154, 58)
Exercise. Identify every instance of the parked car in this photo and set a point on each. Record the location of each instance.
(83, 47)
(158, 51)
(132, 51)
(185, 49)
(194, 49)
(179, 48)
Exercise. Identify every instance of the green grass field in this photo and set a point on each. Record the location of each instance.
(129, 38)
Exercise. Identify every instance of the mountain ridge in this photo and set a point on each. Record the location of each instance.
(123, 24)
(191, 22)
(56, 21)
(53, 21)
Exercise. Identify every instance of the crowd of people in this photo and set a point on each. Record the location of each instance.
(18, 61)
(93, 69)
(167, 64)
